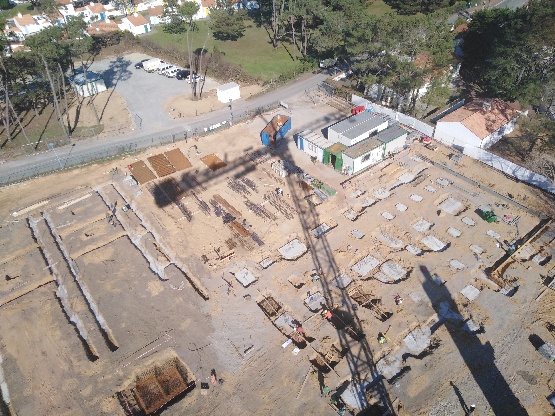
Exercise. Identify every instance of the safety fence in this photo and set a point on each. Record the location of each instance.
(63, 157)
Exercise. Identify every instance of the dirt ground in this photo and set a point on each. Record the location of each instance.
(124, 274)
(183, 107)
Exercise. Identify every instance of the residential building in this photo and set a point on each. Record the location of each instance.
(135, 23)
(480, 123)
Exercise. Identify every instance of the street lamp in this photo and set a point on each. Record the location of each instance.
(231, 108)
(52, 145)
(69, 154)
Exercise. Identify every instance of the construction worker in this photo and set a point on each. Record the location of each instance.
(381, 338)
(327, 314)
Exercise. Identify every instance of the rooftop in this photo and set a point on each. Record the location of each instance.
(228, 86)
(137, 20)
(25, 20)
(356, 125)
(156, 10)
(316, 139)
(482, 117)
(385, 136)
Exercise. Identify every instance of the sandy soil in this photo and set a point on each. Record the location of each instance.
(184, 107)
(112, 112)
(151, 314)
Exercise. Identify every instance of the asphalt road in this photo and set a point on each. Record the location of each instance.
(508, 4)
(28, 166)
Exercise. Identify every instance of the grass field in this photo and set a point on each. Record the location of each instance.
(378, 7)
(13, 10)
(253, 52)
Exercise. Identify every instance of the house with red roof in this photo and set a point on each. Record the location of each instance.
(135, 23)
(480, 123)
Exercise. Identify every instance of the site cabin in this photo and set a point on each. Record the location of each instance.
(374, 149)
(356, 128)
(275, 131)
(313, 144)
(228, 92)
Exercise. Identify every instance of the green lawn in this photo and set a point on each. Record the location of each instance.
(253, 52)
(378, 7)
(13, 10)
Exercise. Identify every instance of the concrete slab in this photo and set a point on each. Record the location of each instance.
(350, 214)
(245, 277)
(388, 216)
(366, 265)
(401, 207)
(393, 271)
(414, 250)
(267, 262)
(293, 250)
(548, 351)
(453, 232)
(390, 240)
(430, 189)
(285, 323)
(416, 198)
(407, 177)
(493, 234)
(382, 193)
(470, 292)
(476, 249)
(526, 252)
(471, 327)
(357, 193)
(418, 340)
(367, 202)
(357, 234)
(389, 366)
(315, 301)
(456, 265)
(442, 182)
(433, 243)
(468, 221)
(342, 281)
(452, 206)
(422, 225)
(446, 312)
(320, 230)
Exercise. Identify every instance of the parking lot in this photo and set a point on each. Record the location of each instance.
(145, 93)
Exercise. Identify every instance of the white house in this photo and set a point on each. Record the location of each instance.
(92, 85)
(374, 149)
(313, 144)
(156, 14)
(29, 25)
(135, 23)
(356, 128)
(480, 123)
(228, 92)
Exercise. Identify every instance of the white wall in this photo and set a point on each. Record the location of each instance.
(362, 162)
(397, 144)
(455, 133)
(228, 94)
(312, 150)
(497, 135)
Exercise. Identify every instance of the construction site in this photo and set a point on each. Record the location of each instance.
(220, 276)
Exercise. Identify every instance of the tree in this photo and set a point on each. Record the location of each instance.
(226, 23)
(415, 6)
(509, 54)
(188, 9)
(48, 7)
(49, 49)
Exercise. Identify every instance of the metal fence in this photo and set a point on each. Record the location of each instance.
(70, 159)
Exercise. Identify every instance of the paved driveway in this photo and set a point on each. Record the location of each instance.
(145, 93)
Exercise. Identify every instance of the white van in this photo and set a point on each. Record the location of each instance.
(171, 73)
(163, 67)
(152, 64)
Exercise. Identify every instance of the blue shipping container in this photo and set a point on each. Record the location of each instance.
(275, 131)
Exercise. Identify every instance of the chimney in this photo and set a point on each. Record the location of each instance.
(136, 14)
(486, 105)
(91, 4)
(19, 15)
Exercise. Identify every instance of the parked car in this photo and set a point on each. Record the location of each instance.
(139, 65)
(166, 70)
(171, 73)
(328, 63)
(163, 68)
(152, 64)
(182, 74)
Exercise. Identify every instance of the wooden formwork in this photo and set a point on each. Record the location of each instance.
(178, 159)
(368, 300)
(271, 307)
(161, 165)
